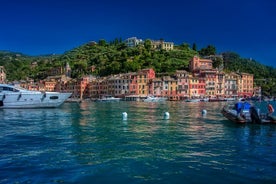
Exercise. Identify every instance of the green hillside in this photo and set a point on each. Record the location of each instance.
(114, 57)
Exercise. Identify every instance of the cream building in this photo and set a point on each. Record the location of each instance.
(161, 44)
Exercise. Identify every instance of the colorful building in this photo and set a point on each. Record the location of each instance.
(231, 84)
(170, 87)
(246, 88)
(133, 42)
(193, 87)
(203, 81)
(157, 86)
(210, 78)
(197, 64)
(143, 80)
(161, 44)
(182, 84)
(220, 84)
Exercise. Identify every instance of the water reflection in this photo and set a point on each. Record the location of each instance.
(144, 126)
(91, 140)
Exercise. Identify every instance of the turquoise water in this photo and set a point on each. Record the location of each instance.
(91, 143)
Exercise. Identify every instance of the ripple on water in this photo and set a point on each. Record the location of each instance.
(90, 142)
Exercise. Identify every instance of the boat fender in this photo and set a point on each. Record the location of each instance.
(204, 112)
(124, 116)
(4, 96)
(166, 115)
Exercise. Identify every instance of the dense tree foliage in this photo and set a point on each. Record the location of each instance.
(115, 57)
(209, 50)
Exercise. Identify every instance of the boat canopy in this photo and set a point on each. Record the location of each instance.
(242, 106)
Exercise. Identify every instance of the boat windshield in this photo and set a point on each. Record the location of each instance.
(11, 88)
(7, 88)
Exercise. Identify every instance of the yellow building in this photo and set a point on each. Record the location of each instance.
(246, 88)
(143, 80)
(232, 81)
(161, 44)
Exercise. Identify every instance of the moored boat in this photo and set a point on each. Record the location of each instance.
(108, 98)
(192, 100)
(244, 112)
(154, 99)
(16, 97)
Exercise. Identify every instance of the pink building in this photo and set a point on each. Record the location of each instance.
(182, 84)
(200, 64)
(132, 85)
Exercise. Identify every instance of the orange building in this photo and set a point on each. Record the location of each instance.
(200, 64)
(143, 79)
(50, 85)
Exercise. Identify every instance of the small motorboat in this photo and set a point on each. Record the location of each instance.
(244, 112)
(192, 100)
(154, 99)
(108, 98)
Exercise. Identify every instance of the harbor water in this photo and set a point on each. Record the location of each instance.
(91, 142)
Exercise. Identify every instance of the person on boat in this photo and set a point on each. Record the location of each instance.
(238, 107)
(270, 109)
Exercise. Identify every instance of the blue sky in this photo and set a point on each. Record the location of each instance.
(34, 27)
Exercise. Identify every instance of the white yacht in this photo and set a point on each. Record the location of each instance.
(16, 97)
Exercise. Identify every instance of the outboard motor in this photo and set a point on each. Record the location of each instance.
(255, 118)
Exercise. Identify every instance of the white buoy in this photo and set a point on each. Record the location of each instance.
(166, 115)
(204, 112)
(124, 116)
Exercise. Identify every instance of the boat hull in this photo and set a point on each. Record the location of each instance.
(32, 100)
(232, 117)
(108, 99)
(155, 99)
(247, 117)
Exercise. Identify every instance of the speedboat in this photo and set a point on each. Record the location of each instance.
(17, 97)
(155, 99)
(108, 98)
(244, 112)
